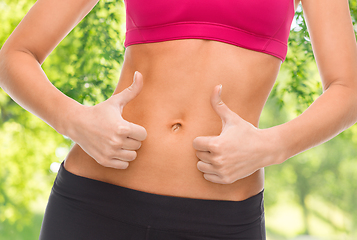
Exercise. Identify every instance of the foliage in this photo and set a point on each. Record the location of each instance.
(321, 180)
(83, 69)
(298, 81)
(87, 70)
(92, 69)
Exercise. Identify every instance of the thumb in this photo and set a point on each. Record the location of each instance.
(130, 92)
(218, 105)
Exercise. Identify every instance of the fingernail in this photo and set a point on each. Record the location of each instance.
(220, 90)
(134, 76)
(134, 79)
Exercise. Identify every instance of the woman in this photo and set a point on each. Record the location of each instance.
(177, 154)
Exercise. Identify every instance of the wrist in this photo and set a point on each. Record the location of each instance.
(277, 145)
(67, 123)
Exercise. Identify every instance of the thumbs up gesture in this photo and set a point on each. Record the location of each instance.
(239, 151)
(103, 134)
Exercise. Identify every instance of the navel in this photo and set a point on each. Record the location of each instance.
(175, 127)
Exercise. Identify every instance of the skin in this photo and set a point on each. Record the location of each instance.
(172, 132)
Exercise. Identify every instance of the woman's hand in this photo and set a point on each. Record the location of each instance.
(103, 134)
(240, 149)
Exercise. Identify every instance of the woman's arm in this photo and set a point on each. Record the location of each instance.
(335, 51)
(241, 149)
(21, 75)
(112, 144)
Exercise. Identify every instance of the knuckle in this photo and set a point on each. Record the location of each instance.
(218, 161)
(226, 180)
(214, 146)
(119, 143)
(123, 130)
(224, 173)
(104, 162)
(116, 142)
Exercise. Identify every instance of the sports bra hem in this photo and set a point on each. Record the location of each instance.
(206, 30)
(207, 38)
(207, 23)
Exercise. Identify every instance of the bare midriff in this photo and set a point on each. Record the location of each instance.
(174, 107)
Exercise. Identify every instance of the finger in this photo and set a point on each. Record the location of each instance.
(116, 163)
(125, 155)
(204, 156)
(137, 132)
(205, 167)
(213, 178)
(203, 143)
(130, 92)
(219, 106)
(131, 144)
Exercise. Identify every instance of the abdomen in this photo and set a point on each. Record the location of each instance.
(174, 107)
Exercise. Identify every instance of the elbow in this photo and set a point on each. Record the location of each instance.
(349, 94)
(9, 60)
(11, 48)
(346, 84)
(32, 54)
(5, 65)
(346, 95)
(3, 60)
(348, 89)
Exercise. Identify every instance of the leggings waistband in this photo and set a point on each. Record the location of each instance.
(158, 211)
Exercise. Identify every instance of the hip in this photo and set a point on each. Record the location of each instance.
(76, 203)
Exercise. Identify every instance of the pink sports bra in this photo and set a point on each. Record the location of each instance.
(259, 25)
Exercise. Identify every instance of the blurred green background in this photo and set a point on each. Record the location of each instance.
(311, 196)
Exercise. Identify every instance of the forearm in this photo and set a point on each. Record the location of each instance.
(22, 77)
(330, 114)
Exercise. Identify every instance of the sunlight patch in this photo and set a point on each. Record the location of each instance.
(55, 166)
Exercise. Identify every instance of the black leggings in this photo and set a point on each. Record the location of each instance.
(83, 208)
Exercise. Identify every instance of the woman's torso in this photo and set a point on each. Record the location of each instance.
(174, 107)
